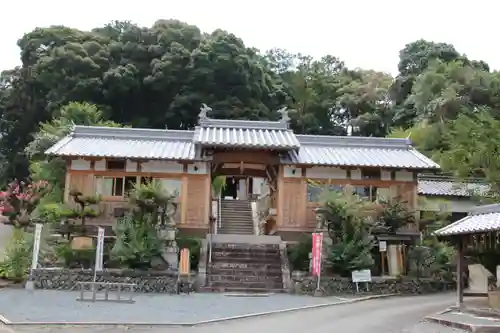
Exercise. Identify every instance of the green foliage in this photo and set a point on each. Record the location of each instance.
(298, 254)
(218, 185)
(16, 263)
(75, 258)
(194, 246)
(345, 216)
(151, 200)
(157, 75)
(395, 215)
(53, 169)
(137, 242)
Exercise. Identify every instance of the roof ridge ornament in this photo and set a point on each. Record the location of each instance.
(204, 110)
(284, 115)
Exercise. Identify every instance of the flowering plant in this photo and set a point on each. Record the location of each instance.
(20, 199)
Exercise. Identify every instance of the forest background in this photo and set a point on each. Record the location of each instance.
(122, 74)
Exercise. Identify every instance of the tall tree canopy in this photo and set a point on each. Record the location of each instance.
(158, 77)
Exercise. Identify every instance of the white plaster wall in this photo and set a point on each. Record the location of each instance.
(292, 172)
(162, 166)
(406, 176)
(100, 165)
(198, 168)
(326, 173)
(385, 175)
(80, 164)
(131, 166)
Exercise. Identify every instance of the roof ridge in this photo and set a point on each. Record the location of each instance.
(244, 124)
(355, 141)
(131, 133)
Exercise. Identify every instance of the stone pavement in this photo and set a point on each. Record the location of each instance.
(62, 307)
(391, 315)
(469, 322)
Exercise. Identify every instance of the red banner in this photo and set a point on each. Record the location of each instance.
(317, 247)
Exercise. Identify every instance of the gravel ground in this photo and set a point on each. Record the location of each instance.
(395, 315)
(62, 307)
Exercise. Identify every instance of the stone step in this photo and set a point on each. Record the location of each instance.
(244, 233)
(233, 206)
(247, 285)
(237, 223)
(245, 271)
(245, 246)
(245, 278)
(217, 248)
(242, 290)
(238, 265)
(237, 226)
(246, 255)
(236, 229)
(237, 218)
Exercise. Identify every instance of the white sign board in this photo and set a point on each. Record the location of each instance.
(36, 245)
(99, 253)
(382, 245)
(364, 275)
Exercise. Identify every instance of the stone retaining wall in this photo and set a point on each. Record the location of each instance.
(342, 286)
(146, 281)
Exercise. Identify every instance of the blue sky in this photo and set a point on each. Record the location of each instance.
(363, 33)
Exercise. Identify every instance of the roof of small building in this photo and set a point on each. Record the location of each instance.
(93, 141)
(245, 134)
(432, 185)
(480, 220)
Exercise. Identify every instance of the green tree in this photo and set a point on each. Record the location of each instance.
(53, 169)
(347, 219)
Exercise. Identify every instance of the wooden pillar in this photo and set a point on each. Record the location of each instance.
(460, 272)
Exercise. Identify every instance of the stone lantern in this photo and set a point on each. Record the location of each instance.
(168, 231)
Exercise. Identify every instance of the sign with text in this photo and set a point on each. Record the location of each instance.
(382, 245)
(364, 275)
(36, 245)
(99, 252)
(317, 247)
(184, 262)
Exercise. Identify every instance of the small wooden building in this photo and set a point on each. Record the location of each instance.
(257, 157)
(448, 194)
(478, 232)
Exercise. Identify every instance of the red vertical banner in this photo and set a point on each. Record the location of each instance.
(317, 246)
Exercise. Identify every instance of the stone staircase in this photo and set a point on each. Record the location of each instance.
(245, 264)
(236, 217)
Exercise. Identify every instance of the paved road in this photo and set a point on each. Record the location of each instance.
(395, 315)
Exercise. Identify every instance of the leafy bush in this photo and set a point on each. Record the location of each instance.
(194, 246)
(298, 254)
(346, 218)
(137, 243)
(17, 261)
(75, 258)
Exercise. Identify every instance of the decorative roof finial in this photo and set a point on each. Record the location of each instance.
(284, 115)
(203, 112)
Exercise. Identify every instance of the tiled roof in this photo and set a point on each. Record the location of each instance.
(481, 220)
(358, 151)
(93, 141)
(245, 134)
(439, 186)
(302, 149)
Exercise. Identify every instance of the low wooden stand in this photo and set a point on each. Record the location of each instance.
(102, 292)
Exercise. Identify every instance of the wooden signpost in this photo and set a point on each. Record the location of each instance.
(183, 275)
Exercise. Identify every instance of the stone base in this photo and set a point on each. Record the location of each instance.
(146, 281)
(494, 299)
(343, 286)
